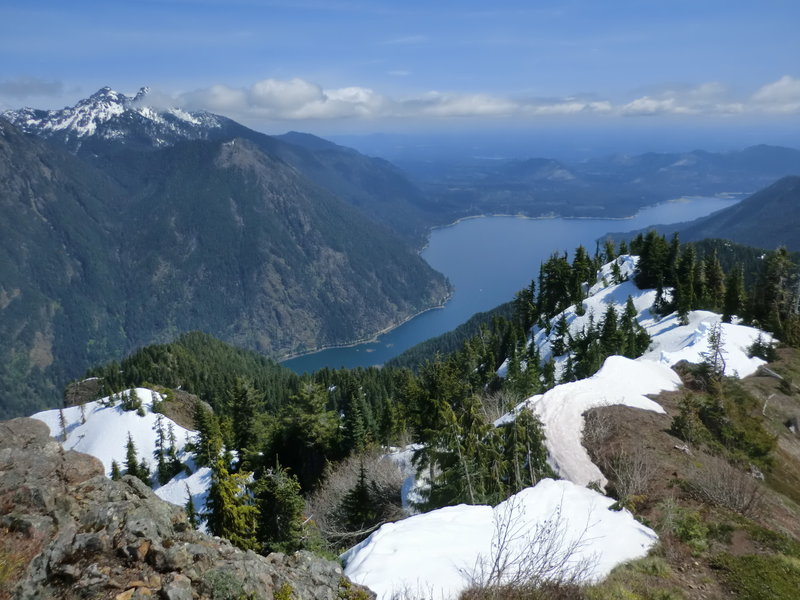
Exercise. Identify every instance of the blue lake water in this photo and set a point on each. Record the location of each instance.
(487, 260)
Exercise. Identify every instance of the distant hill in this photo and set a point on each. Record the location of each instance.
(767, 219)
(610, 186)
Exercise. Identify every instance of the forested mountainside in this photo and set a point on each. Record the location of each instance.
(765, 219)
(199, 234)
(110, 129)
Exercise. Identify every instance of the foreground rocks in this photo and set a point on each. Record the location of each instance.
(67, 531)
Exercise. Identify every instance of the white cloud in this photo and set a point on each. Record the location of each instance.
(782, 96)
(711, 98)
(299, 99)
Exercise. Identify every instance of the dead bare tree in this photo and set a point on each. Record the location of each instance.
(324, 505)
(720, 483)
(522, 557)
(631, 472)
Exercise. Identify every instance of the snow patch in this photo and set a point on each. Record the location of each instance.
(432, 555)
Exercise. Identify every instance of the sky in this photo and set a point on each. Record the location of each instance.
(342, 67)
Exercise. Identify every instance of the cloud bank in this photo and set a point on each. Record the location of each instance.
(299, 99)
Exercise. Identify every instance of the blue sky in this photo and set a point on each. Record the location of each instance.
(361, 67)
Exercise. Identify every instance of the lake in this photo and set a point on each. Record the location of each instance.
(488, 259)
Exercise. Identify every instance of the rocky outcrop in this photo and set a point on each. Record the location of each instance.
(66, 531)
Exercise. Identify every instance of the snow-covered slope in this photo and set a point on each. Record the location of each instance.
(101, 430)
(110, 115)
(433, 555)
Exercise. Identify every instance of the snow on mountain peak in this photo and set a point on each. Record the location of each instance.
(109, 114)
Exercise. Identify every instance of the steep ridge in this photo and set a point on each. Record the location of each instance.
(58, 265)
(67, 531)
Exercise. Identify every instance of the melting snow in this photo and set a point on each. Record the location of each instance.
(432, 555)
(104, 435)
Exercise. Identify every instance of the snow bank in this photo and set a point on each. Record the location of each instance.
(621, 381)
(673, 342)
(433, 555)
(104, 435)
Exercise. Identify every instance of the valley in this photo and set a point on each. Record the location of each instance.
(487, 259)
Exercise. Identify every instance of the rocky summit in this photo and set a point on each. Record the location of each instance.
(67, 531)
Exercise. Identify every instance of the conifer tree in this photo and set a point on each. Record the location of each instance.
(715, 282)
(280, 505)
(62, 424)
(243, 403)
(116, 474)
(358, 504)
(560, 341)
(734, 294)
(208, 442)
(191, 509)
(230, 510)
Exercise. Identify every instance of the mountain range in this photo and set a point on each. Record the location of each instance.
(123, 225)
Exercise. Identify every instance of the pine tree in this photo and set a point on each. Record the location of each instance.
(191, 509)
(243, 403)
(131, 459)
(231, 512)
(734, 294)
(715, 281)
(560, 341)
(62, 424)
(116, 474)
(358, 504)
(208, 442)
(281, 507)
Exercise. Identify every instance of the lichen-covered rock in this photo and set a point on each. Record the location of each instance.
(69, 532)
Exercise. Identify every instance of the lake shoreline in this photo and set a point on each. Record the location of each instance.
(732, 196)
(368, 339)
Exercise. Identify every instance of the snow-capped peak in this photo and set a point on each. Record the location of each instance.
(112, 115)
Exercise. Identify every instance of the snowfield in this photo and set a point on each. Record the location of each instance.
(104, 435)
(434, 555)
(620, 381)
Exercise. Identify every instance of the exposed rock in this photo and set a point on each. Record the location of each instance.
(82, 535)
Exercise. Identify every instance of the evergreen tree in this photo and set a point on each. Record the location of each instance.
(652, 269)
(62, 424)
(280, 505)
(243, 402)
(208, 442)
(715, 281)
(116, 474)
(231, 512)
(191, 509)
(560, 341)
(358, 504)
(609, 334)
(131, 459)
(734, 294)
